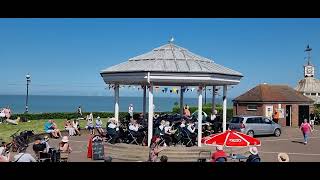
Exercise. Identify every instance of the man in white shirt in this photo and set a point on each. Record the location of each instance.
(23, 156)
(130, 110)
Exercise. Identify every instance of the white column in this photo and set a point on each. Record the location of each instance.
(116, 102)
(150, 117)
(181, 101)
(213, 98)
(144, 102)
(199, 116)
(224, 114)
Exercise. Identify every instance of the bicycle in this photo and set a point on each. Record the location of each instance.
(17, 142)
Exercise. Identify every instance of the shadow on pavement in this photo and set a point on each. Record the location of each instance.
(297, 142)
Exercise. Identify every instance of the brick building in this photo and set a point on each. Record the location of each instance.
(264, 100)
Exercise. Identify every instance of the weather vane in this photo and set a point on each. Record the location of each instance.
(308, 50)
(171, 40)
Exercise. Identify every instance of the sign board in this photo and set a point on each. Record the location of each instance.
(281, 112)
(97, 150)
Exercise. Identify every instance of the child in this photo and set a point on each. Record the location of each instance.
(76, 126)
(99, 125)
(90, 125)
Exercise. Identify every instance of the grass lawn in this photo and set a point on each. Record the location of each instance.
(6, 130)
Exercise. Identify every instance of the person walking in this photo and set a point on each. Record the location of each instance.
(306, 130)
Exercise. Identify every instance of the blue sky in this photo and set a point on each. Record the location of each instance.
(65, 56)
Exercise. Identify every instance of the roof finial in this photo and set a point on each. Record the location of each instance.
(308, 50)
(171, 40)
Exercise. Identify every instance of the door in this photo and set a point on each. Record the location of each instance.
(303, 113)
(288, 115)
(254, 124)
(269, 111)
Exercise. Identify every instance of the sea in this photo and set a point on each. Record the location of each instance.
(42, 104)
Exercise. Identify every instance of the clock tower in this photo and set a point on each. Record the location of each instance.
(308, 68)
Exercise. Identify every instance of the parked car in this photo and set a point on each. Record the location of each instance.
(255, 125)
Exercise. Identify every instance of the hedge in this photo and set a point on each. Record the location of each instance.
(206, 109)
(68, 115)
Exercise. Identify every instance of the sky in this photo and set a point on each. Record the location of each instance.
(65, 56)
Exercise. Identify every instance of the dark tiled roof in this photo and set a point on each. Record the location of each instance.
(273, 93)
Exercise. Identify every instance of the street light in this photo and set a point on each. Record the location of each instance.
(28, 81)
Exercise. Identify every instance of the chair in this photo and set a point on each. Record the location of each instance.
(43, 157)
(134, 139)
(109, 138)
(186, 138)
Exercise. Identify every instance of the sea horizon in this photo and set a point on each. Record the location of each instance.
(68, 103)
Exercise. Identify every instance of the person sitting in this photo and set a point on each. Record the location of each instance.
(168, 133)
(254, 157)
(4, 154)
(69, 127)
(99, 126)
(64, 146)
(40, 146)
(219, 155)
(183, 124)
(191, 130)
(134, 129)
(23, 156)
(113, 130)
(90, 124)
(50, 127)
(186, 111)
(76, 126)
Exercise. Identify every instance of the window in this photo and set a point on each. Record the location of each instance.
(236, 120)
(313, 94)
(307, 94)
(266, 121)
(253, 120)
(252, 107)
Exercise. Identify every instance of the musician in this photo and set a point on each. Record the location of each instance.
(134, 129)
(168, 133)
(113, 130)
(192, 131)
(183, 124)
(186, 111)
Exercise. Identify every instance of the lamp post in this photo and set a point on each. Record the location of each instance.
(28, 81)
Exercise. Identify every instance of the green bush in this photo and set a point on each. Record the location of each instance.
(66, 115)
(207, 109)
(69, 115)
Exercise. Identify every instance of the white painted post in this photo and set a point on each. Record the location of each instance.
(181, 101)
(144, 101)
(213, 98)
(224, 114)
(199, 116)
(150, 117)
(116, 102)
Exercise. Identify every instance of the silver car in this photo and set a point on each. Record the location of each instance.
(255, 125)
